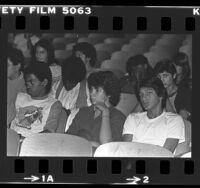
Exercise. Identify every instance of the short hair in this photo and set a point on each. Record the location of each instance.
(73, 70)
(42, 72)
(109, 82)
(16, 57)
(88, 50)
(156, 84)
(136, 60)
(181, 59)
(47, 45)
(164, 65)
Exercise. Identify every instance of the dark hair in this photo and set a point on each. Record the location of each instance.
(88, 50)
(109, 82)
(16, 57)
(73, 70)
(47, 45)
(158, 86)
(136, 60)
(165, 65)
(181, 59)
(42, 72)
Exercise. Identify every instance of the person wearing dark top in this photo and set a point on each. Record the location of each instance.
(138, 69)
(87, 53)
(101, 122)
(180, 97)
(181, 63)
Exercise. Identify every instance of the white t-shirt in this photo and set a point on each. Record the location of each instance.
(31, 115)
(154, 131)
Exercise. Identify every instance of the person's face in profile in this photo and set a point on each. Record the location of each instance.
(34, 87)
(179, 74)
(97, 95)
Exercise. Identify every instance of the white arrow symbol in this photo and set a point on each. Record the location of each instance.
(133, 180)
(32, 178)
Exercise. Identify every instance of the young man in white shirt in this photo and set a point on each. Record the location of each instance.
(155, 125)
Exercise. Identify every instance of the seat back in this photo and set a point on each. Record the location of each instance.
(55, 144)
(13, 143)
(127, 103)
(131, 149)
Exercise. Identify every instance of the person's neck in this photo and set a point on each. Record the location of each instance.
(41, 97)
(153, 113)
(172, 88)
(15, 76)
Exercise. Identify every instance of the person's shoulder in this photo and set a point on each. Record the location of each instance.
(170, 117)
(138, 115)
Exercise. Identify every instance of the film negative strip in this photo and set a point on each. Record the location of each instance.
(33, 152)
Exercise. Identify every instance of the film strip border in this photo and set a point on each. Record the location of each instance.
(117, 23)
(122, 19)
(101, 170)
(149, 171)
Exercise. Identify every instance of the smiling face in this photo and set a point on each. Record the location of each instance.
(35, 88)
(167, 78)
(41, 54)
(149, 98)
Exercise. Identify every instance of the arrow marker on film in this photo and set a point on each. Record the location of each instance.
(32, 178)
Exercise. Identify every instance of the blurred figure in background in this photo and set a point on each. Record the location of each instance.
(43, 52)
(181, 63)
(15, 81)
(87, 53)
(180, 97)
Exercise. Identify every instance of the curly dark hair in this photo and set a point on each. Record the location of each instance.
(47, 45)
(164, 65)
(87, 49)
(73, 70)
(109, 82)
(158, 86)
(16, 56)
(42, 72)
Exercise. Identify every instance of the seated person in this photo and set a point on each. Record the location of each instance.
(71, 90)
(181, 62)
(36, 110)
(43, 52)
(137, 68)
(101, 122)
(15, 81)
(179, 97)
(88, 55)
(155, 126)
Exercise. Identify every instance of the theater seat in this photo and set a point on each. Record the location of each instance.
(127, 103)
(131, 149)
(55, 144)
(13, 143)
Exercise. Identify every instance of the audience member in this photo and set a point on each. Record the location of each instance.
(36, 110)
(155, 125)
(43, 52)
(15, 81)
(101, 122)
(180, 97)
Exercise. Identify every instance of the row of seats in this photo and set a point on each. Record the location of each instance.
(57, 144)
(113, 52)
